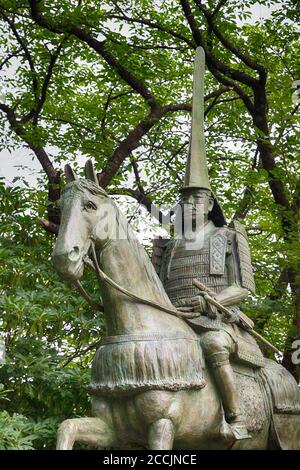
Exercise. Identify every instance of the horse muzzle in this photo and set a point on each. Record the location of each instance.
(70, 264)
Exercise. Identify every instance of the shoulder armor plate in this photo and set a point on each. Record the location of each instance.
(217, 252)
(246, 271)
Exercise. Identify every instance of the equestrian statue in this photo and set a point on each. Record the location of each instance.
(180, 367)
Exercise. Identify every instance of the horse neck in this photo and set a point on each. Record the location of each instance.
(126, 262)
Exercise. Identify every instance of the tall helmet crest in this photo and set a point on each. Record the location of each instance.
(196, 173)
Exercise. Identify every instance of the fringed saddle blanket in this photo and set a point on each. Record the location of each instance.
(283, 388)
(127, 364)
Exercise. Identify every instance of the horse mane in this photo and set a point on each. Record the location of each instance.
(138, 248)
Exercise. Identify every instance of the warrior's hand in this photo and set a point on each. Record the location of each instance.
(234, 315)
(200, 305)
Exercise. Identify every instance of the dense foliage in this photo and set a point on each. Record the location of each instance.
(111, 81)
(50, 332)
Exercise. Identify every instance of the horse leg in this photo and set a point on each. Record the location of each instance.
(161, 435)
(93, 431)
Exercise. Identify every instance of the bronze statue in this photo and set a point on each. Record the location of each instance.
(151, 385)
(217, 256)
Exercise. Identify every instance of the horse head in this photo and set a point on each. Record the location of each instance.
(87, 215)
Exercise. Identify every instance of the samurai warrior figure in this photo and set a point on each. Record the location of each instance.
(206, 249)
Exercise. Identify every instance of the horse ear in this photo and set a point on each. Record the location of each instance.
(70, 175)
(90, 172)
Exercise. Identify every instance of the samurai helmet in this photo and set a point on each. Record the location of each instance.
(196, 173)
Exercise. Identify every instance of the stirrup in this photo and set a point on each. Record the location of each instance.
(239, 430)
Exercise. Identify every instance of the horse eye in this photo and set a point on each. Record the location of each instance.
(90, 205)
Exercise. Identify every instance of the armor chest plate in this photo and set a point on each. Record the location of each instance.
(181, 266)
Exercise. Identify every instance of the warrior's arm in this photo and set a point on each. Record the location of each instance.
(228, 297)
(234, 293)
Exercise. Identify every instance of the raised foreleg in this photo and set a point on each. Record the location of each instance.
(93, 431)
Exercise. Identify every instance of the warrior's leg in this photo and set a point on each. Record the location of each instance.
(161, 435)
(93, 431)
(217, 346)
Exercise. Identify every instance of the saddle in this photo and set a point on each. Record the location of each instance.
(246, 350)
(284, 396)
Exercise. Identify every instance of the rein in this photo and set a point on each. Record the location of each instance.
(102, 277)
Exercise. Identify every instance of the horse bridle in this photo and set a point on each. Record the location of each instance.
(90, 259)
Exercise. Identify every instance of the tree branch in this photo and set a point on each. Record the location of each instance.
(131, 142)
(137, 175)
(153, 25)
(245, 203)
(10, 56)
(98, 46)
(188, 106)
(218, 7)
(80, 352)
(296, 200)
(66, 121)
(231, 84)
(43, 96)
(226, 43)
(38, 150)
(105, 110)
(212, 61)
(25, 49)
(143, 199)
(126, 75)
(49, 226)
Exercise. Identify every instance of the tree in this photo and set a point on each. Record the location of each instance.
(113, 83)
(50, 332)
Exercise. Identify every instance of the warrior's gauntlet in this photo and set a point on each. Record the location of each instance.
(229, 297)
(202, 306)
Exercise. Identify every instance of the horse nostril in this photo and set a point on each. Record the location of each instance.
(74, 254)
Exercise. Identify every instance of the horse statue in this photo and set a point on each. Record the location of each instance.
(150, 385)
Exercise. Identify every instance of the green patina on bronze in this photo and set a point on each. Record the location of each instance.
(196, 174)
(162, 379)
